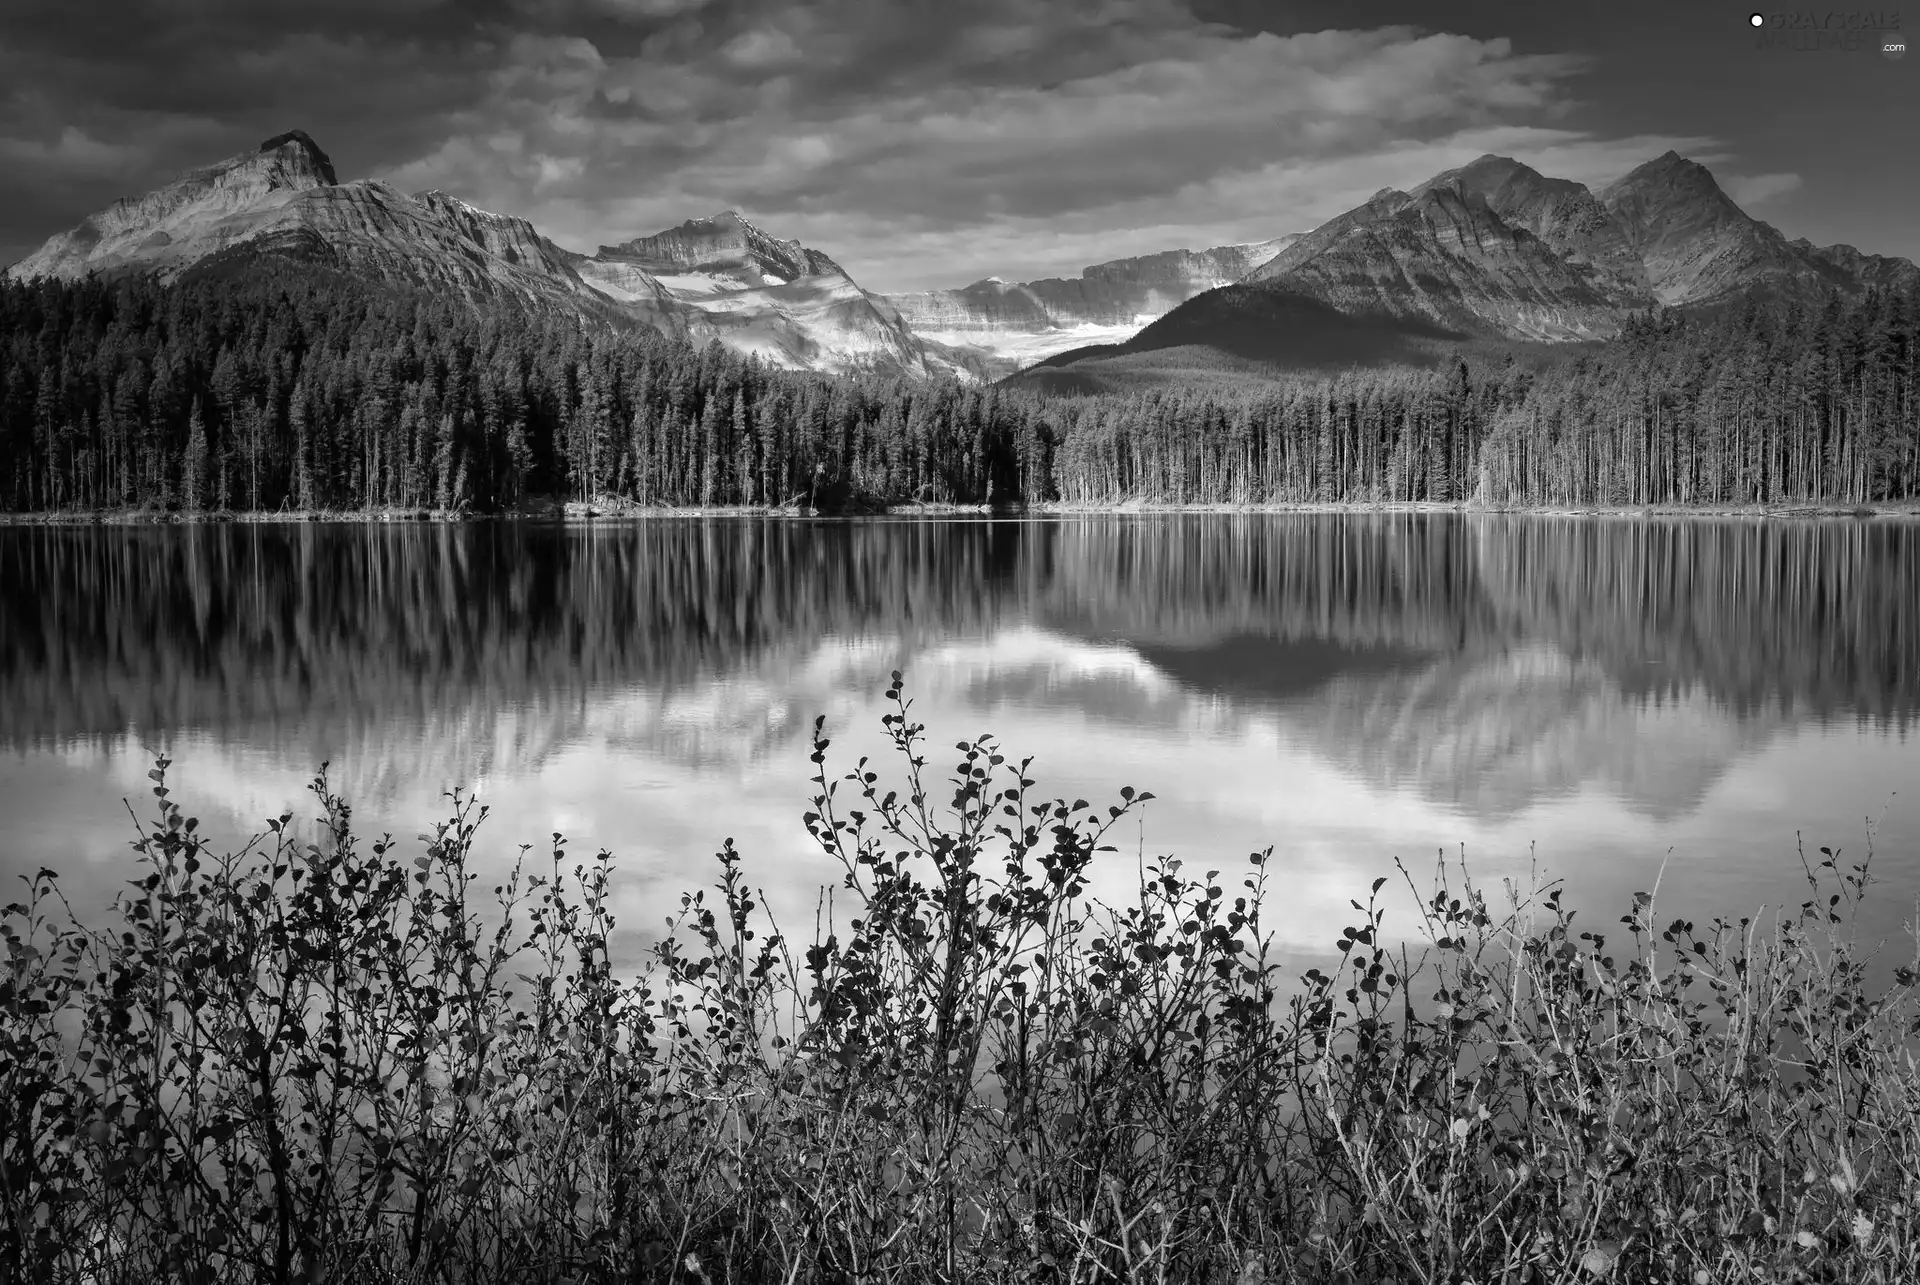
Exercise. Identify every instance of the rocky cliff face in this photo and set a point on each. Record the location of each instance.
(441, 243)
(1443, 254)
(1131, 291)
(1866, 271)
(991, 306)
(285, 200)
(1497, 249)
(791, 306)
(198, 214)
(1700, 248)
(1108, 302)
(723, 252)
(1565, 215)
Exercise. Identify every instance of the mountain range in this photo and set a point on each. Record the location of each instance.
(1493, 250)
(719, 278)
(1107, 302)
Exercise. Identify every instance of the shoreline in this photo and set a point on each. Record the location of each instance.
(576, 512)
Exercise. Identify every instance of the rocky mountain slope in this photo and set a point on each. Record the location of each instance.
(1242, 331)
(1107, 302)
(718, 254)
(716, 278)
(1496, 248)
(792, 306)
(1700, 248)
(284, 199)
(1492, 251)
(200, 213)
(1444, 255)
(1565, 215)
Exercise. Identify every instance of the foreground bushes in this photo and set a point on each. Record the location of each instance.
(323, 1062)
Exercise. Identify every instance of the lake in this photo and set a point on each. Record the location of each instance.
(1604, 697)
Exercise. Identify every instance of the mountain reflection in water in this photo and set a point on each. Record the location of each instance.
(1348, 687)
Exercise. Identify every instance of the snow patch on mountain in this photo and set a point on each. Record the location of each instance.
(1128, 293)
(1023, 348)
(788, 305)
(696, 283)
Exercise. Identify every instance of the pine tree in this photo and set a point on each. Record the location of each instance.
(443, 463)
(193, 473)
(743, 472)
(303, 495)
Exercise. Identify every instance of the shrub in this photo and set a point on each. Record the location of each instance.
(307, 1062)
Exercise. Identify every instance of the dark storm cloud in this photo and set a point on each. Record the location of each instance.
(916, 140)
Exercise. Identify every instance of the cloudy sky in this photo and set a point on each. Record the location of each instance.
(931, 142)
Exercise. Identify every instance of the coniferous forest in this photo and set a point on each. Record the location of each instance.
(303, 389)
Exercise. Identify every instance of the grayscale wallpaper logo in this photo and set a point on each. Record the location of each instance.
(1836, 31)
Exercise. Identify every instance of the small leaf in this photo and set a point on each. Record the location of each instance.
(1599, 1260)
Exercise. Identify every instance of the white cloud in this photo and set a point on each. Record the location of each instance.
(558, 169)
(73, 151)
(647, 8)
(761, 49)
(1756, 189)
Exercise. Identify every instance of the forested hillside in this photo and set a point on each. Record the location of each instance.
(306, 390)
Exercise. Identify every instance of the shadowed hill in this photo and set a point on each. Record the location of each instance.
(1247, 329)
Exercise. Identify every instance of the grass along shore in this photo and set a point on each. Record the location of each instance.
(320, 1061)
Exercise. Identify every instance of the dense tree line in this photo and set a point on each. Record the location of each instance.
(1755, 405)
(307, 390)
(1759, 405)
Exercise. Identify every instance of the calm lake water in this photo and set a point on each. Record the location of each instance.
(1602, 696)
